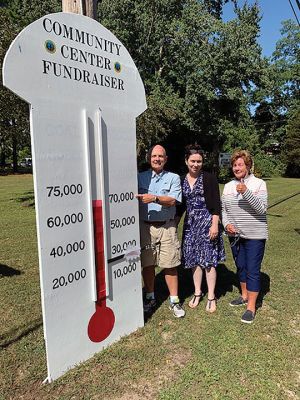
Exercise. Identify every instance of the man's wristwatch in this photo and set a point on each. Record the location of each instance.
(156, 200)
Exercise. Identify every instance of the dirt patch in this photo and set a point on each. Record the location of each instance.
(167, 336)
(294, 324)
(148, 389)
(129, 396)
(289, 393)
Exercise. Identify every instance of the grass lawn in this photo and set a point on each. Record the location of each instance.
(202, 356)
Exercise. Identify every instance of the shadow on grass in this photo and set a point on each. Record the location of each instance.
(18, 333)
(283, 200)
(27, 199)
(226, 281)
(265, 288)
(297, 230)
(161, 294)
(5, 270)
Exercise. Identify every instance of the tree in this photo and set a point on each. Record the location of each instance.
(215, 7)
(291, 150)
(14, 112)
(199, 72)
(183, 47)
(279, 94)
(22, 12)
(278, 97)
(286, 59)
(270, 127)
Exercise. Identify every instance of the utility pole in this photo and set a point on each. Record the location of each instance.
(84, 7)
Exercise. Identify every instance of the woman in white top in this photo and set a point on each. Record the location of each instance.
(244, 206)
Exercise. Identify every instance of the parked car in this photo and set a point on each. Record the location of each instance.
(26, 162)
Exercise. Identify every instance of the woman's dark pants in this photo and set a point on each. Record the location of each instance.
(248, 255)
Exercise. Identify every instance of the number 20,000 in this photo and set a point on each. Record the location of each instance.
(64, 281)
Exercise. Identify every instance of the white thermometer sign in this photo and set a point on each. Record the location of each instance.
(84, 93)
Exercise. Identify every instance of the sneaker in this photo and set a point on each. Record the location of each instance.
(238, 302)
(178, 311)
(149, 305)
(248, 317)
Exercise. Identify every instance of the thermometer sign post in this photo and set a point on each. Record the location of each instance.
(84, 93)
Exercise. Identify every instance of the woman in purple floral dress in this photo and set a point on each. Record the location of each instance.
(202, 243)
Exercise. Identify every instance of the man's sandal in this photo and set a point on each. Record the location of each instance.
(209, 307)
(195, 300)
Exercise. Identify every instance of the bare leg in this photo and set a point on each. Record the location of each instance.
(149, 277)
(252, 297)
(211, 277)
(171, 278)
(197, 278)
(244, 290)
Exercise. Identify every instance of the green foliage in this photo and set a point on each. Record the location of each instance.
(200, 73)
(23, 12)
(279, 93)
(147, 29)
(224, 175)
(208, 65)
(24, 153)
(164, 112)
(14, 124)
(280, 87)
(291, 150)
(267, 165)
(287, 58)
(270, 126)
(244, 137)
(215, 7)
(14, 112)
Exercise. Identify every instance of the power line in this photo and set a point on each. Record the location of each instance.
(298, 3)
(269, 123)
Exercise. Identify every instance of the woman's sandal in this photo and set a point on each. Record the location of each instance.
(209, 307)
(195, 300)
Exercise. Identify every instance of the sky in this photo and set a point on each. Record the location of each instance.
(273, 12)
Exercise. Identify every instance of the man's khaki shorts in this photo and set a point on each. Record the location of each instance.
(160, 245)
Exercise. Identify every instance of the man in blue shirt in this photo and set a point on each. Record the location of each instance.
(159, 191)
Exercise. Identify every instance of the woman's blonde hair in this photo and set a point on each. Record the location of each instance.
(245, 155)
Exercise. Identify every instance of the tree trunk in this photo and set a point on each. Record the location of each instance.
(84, 7)
(14, 152)
(215, 158)
(2, 157)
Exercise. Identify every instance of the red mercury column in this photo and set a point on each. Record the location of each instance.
(103, 320)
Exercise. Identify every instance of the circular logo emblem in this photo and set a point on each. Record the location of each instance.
(50, 46)
(118, 67)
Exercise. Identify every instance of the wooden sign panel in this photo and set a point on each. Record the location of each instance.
(84, 93)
